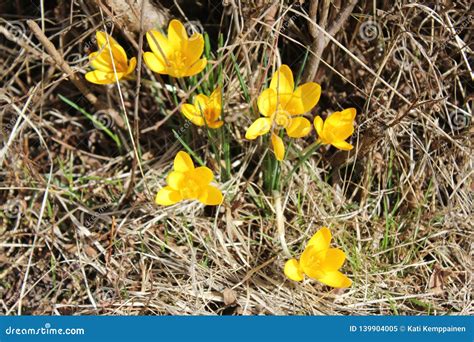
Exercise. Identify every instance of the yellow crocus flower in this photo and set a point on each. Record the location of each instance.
(110, 54)
(188, 182)
(336, 129)
(205, 110)
(177, 54)
(282, 106)
(319, 262)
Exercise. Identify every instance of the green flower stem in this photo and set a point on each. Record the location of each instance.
(307, 152)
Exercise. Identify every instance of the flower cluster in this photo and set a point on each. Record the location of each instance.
(283, 107)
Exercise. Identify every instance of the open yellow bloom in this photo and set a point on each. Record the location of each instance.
(336, 129)
(282, 106)
(110, 54)
(188, 182)
(176, 55)
(205, 110)
(319, 262)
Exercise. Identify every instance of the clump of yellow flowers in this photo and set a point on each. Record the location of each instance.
(282, 106)
(319, 261)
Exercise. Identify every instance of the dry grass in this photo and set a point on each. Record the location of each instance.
(80, 233)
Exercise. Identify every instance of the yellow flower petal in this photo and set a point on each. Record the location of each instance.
(267, 102)
(216, 98)
(335, 279)
(101, 61)
(334, 259)
(104, 42)
(196, 68)
(203, 175)
(342, 145)
(293, 271)
(305, 97)
(200, 103)
(167, 196)
(283, 83)
(159, 44)
(103, 38)
(195, 48)
(101, 77)
(211, 196)
(310, 261)
(321, 239)
(339, 125)
(177, 35)
(318, 125)
(259, 127)
(299, 127)
(278, 147)
(131, 66)
(349, 114)
(215, 124)
(154, 63)
(183, 162)
(191, 113)
(175, 180)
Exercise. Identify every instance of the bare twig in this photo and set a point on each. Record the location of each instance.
(321, 41)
